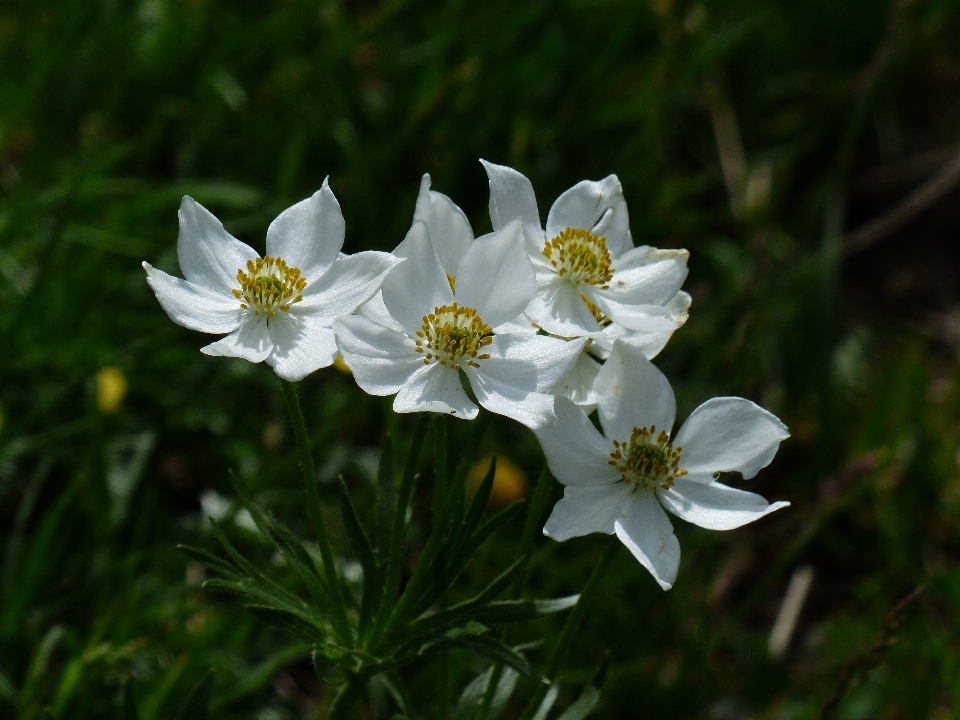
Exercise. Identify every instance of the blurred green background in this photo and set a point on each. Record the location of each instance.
(765, 137)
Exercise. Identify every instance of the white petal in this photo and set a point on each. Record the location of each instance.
(585, 510)
(533, 409)
(520, 325)
(647, 276)
(650, 342)
(192, 306)
(251, 341)
(495, 276)
(382, 360)
(729, 434)
(209, 256)
(534, 363)
(449, 228)
(435, 388)
(350, 282)
(646, 531)
(644, 318)
(301, 345)
(417, 286)
(576, 452)
(578, 383)
(715, 506)
(632, 393)
(558, 307)
(375, 310)
(308, 235)
(511, 197)
(595, 206)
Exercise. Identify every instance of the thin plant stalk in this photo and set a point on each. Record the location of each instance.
(570, 627)
(314, 508)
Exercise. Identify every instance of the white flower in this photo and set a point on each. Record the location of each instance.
(591, 280)
(622, 481)
(279, 308)
(446, 322)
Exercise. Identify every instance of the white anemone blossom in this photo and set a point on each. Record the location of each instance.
(443, 323)
(281, 307)
(591, 280)
(622, 481)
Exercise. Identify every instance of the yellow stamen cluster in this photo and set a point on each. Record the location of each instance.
(269, 286)
(647, 460)
(453, 335)
(581, 257)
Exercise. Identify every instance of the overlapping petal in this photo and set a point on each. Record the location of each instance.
(351, 281)
(715, 506)
(251, 341)
(435, 388)
(585, 510)
(209, 256)
(595, 206)
(382, 360)
(532, 362)
(530, 408)
(511, 197)
(308, 235)
(576, 452)
(419, 285)
(449, 229)
(646, 531)
(192, 306)
(632, 393)
(301, 345)
(729, 434)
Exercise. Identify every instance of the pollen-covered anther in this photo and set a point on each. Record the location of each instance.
(647, 460)
(581, 257)
(269, 286)
(453, 336)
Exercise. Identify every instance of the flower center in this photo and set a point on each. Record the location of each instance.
(453, 335)
(580, 256)
(269, 285)
(647, 460)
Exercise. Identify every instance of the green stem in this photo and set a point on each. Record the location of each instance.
(571, 626)
(459, 486)
(394, 565)
(313, 506)
(534, 512)
(347, 697)
(442, 494)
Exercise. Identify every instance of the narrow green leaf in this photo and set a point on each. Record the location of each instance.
(361, 547)
(466, 462)
(520, 610)
(546, 704)
(590, 695)
(295, 555)
(386, 501)
(479, 502)
(211, 561)
(198, 700)
(490, 647)
(252, 591)
(286, 621)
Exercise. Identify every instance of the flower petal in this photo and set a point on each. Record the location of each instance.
(650, 342)
(251, 341)
(495, 276)
(350, 282)
(435, 388)
(308, 235)
(715, 506)
(419, 285)
(729, 434)
(558, 307)
(511, 197)
(576, 452)
(646, 531)
(534, 363)
(375, 310)
(595, 206)
(192, 306)
(647, 276)
(533, 409)
(382, 360)
(449, 228)
(632, 393)
(209, 256)
(585, 510)
(578, 383)
(301, 345)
